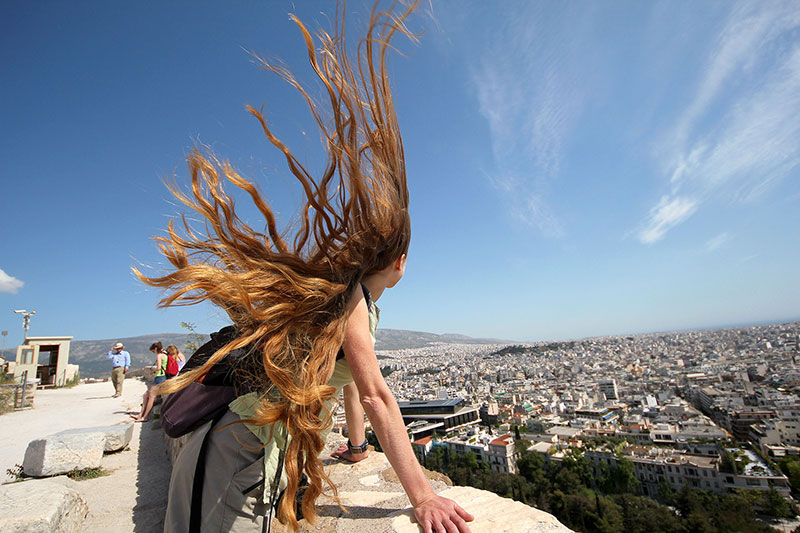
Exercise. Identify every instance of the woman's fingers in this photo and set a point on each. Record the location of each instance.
(462, 513)
(450, 527)
(459, 523)
(442, 515)
(447, 526)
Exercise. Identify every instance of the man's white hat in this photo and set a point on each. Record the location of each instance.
(118, 345)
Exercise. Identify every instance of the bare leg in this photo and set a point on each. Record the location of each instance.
(147, 405)
(144, 402)
(354, 414)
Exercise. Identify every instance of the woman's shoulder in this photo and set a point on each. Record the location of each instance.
(359, 294)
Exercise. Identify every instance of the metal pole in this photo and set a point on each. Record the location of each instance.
(24, 387)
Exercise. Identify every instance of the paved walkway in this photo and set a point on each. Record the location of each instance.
(133, 497)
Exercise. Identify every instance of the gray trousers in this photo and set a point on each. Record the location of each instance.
(234, 462)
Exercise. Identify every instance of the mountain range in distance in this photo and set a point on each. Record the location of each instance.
(91, 354)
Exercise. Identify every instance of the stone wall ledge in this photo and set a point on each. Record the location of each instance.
(376, 503)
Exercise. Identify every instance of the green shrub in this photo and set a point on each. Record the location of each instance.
(87, 473)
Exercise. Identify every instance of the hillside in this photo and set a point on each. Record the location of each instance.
(91, 354)
(398, 339)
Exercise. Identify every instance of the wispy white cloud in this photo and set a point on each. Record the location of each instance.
(737, 49)
(667, 214)
(739, 134)
(9, 283)
(748, 258)
(529, 209)
(715, 243)
(526, 83)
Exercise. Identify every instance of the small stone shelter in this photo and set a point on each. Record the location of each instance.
(45, 358)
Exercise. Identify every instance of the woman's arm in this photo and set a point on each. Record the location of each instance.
(433, 512)
(354, 414)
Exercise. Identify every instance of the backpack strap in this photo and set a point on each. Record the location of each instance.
(196, 512)
(368, 299)
(367, 295)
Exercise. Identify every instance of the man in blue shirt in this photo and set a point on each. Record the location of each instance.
(121, 361)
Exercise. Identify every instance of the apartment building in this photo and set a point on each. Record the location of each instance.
(652, 466)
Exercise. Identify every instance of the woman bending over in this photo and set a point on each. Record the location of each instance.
(303, 309)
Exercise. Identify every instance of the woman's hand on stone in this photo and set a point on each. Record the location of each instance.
(441, 515)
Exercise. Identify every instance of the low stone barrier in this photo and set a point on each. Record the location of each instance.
(42, 506)
(117, 437)
(60, 453)
(74, 449)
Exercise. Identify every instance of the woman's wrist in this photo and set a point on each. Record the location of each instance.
(358, 449)
(418, 498)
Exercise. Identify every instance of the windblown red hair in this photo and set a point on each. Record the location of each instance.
(289, 298)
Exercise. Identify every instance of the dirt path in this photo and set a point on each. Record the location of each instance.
(133, 497)
(59, 409)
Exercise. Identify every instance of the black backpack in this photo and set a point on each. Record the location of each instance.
(189, 408)
(200, 402)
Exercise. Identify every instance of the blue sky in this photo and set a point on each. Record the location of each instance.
(576, 169)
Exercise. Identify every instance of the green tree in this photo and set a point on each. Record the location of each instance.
(621, 478)
(576, 462)
(568, 481)
(193, 339)
(665, 492)
(609, 515)
(643, 515)
(521, 445)
(791, 467)
(776, 505)
(531, 467)
(734, 512)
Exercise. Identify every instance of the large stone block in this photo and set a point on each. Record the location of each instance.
(493, 514)
(41, 506)
(117, 437)
(61, 452)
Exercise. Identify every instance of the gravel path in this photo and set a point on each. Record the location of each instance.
(55, 410)
(133, 497)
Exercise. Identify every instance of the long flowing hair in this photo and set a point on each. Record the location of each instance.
(289, 298)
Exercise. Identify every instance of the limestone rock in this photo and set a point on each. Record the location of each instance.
(493, 514)
(61, 452)
(375, 501)
(41, 506)
(116, 437)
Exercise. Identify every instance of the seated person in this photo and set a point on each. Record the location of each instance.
(160, 376)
